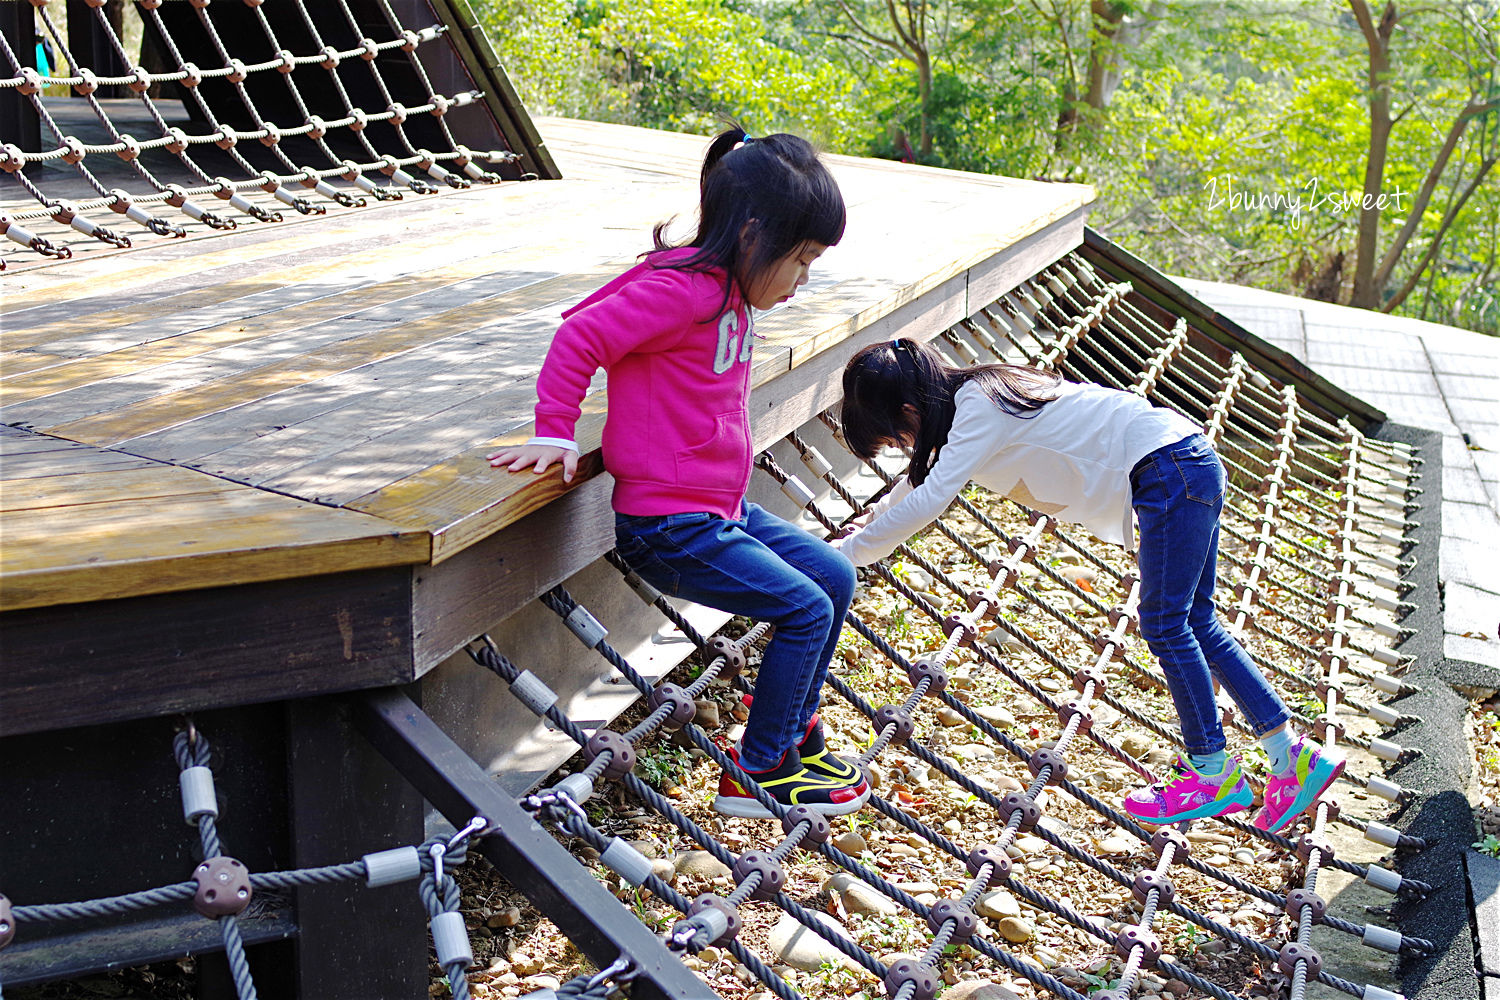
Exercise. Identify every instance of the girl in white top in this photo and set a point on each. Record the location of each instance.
(1092, 455)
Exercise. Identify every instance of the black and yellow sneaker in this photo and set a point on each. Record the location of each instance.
(816, 756)
(791, 784)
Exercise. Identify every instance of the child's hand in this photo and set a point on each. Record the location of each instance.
(854, 526)
(539, 456)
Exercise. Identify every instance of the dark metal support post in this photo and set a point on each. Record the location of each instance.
(519, 848)
(18, 121)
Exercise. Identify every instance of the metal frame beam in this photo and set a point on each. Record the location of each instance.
(519, 847)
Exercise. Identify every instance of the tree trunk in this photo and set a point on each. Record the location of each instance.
(1366, 293)
(924, 94)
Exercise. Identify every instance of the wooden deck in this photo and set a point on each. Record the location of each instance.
(314, 398)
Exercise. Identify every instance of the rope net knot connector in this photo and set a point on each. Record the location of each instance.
(1147, 882)
(818, 827)
(920, 981)
(734, 657)
(1020, 802)
(1299, 899)
(1131, 938)
(995, 857)
(772, 874)
(925, 668)
(682, 707)
(622, 754)
(1292, 953)
(1048, 759)
(895, 715)
(965, 923)
(711, 920)
(223, 887)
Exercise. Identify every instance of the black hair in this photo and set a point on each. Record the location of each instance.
(883, 379)
(759, 200)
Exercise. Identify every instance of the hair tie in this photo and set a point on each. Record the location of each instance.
(745, 138)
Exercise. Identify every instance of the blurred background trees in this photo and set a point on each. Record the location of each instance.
(1340, 149)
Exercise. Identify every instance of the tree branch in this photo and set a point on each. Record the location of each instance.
(1437, 239)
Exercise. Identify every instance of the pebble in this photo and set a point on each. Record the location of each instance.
(700, 863)
(1051, 684)
(858, 897)
(1029, 844)
(803, 949)
(851, 843)
(1243, 855)
(954, 827)
(996, 715)
(707, 715)
(1116, 845)
(1177, 987)
(544, 982)
(523, 964)
(997, 904)
(1208, 837)
(903, 851)
(949, 716)
(1136, 743)
(664, 870)
(508, 917)
(645, 847)
(917, 887)
(1017, 930)
(978, 989)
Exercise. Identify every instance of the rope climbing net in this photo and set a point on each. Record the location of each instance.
(322, 57)
(1315, 527)
(1015, 609)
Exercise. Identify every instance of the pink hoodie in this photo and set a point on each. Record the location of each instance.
(677, 433)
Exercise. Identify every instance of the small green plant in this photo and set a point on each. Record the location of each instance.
(662, 763)
(1489, 845)
(1186, 942)
(1097, 982)
(898, 627)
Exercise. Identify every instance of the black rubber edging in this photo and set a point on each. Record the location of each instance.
(1439, 812)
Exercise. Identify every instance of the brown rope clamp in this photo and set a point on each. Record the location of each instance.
(1292, 953)
(1025, 548)
(1327, 729)
(1153, 881)
(734, 657)
(1138, 937)
(772, 874)
(818, 827)
(1167, 835)
(1118, 614)
(622, 754)
(926, 668)
(708, 901)
(1297, 899)
(988, 598)
(1004, 574)
(1083, 675)
(1310, 842)
(994, 856)
(223, 887)
(965, 923)
(1105, 645)
(895, 715)
(682, 710)
(1020, 802)
(923, 979)
(966, 629)
(1046, 757)
(1068, 710)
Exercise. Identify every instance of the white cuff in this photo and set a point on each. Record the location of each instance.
(563, 443)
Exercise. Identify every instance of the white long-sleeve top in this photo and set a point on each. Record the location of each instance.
(1071, 459)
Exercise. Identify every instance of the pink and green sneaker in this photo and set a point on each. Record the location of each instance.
(1291, 793)
(1184, 794)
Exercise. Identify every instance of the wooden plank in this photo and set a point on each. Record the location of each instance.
(162, 347)
(150, 546)
(84, 664)
(109, 486)
(170, 409)
(66, 462)
(18, 441)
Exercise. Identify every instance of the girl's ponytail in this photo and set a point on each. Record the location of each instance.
(721, 145)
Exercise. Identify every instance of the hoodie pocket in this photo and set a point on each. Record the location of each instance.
(722, 461)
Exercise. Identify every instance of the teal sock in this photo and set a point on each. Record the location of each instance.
(1208, 764)
(1278, 747)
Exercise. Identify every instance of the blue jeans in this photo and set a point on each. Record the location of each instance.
(764, 568)
(1178, 492)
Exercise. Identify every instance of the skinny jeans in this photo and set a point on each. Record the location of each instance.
(762, 567)
(1178, 493)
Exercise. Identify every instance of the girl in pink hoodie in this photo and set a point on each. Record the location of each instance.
(675, 336)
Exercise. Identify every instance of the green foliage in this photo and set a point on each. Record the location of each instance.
(1224, 145)
(1489, 845)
